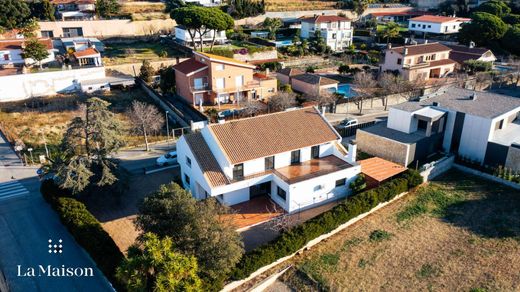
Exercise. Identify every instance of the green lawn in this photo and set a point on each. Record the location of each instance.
(135, 52)
(381, 27)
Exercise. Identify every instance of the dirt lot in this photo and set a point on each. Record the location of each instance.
(460, 233)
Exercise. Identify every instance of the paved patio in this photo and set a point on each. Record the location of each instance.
(255, 211)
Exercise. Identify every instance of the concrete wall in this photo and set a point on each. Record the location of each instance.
(111, 27)
(436, 168)
(265, 55)
(401, 121)
(513, 158)
(132, 68)
(475, 137)
(23, 86)
(383, 147)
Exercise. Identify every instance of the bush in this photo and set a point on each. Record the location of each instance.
(85, 229)
(379, 235)
(224, 52)
(292, 240)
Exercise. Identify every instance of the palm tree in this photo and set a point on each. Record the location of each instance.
(390, 31)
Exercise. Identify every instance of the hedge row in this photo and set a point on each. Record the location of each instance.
(85, 229)
(294, 239)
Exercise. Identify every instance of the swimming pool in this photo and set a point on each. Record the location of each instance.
(283, 43)
(345, 90)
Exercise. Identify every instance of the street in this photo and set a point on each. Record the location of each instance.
(137, 160)
(27, 224)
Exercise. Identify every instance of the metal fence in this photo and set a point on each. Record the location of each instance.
(351, 131)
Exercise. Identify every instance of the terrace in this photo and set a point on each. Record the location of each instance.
(509, 134)
(310, 169)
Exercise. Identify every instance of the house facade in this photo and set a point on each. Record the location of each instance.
(211, 79)
(421, 61)
(182, 36)
(294, 157)
(309, 83)
(75, 9)
(461, 54)
(436, 24)
(11, 52)
(336, 30)
(481, 126)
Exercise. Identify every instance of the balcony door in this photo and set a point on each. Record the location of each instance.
(259, 190)
(198, 83)
(239, 81)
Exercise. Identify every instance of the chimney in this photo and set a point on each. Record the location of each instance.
(389, 45)
(352, 152)
(471, 44)
(405, 51)
(323, 13)
(267, 72)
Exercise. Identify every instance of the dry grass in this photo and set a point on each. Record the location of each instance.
(298, 5)
(142, 7)
(468, 237)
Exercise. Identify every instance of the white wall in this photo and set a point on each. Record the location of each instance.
(23, 86)
(227, 168)
(448, 130)
(183, 35)
(236, 197)
(194, 172)
(442, 28)
(474, 138)
(402, 121)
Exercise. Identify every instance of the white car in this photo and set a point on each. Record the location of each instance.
(168, 158)
(348, 123)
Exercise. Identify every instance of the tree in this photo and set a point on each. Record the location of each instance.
(510, 40)
(173, 4)
(473, 66)
(30, 28)
(364, 86)
(344, 69)
(495, 7)
(272, 25)
(153, 265)
(42, 10)
(87, 147)
(317, 43)
(146, 72)
(483, 29)
(281, 101)
(390, 31)
(145, 118)
(167, 83)
(251, 108)
(13, 14)
(107, 8)
(390, 84)
(239, 9)
(359, 184)
(219, 22)
(512, 19)
(198, 228)
(360, 6)
(35, 50)
(322, 98)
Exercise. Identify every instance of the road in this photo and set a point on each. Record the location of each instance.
(27, 223)
(136, 160)
(336, 118)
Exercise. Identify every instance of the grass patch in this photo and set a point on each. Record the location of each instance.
(362, 263)
(379, 235)
(330, 259)
(350, 243)
(137, 52)
(428, 271)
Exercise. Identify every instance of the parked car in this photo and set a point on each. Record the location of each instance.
(348, 123)
(168, 158)
(229, 112)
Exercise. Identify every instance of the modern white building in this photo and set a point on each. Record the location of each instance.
(11, 52)
(481, 126)
(183, 36)
(336, 30)
(294, 157)
(436, 24)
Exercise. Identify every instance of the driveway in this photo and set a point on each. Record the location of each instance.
(27, 223)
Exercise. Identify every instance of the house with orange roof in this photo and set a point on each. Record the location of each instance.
(11, 52)
(336, 30)
(292, 158)
(436, 24)
(212, 79)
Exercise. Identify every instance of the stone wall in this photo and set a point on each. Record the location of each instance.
(436, 168)
(383, 147)
(258, 56)
(513, 158)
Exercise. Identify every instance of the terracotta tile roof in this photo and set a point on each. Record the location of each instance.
(324, 18)
(464, 53)
(380, 169)
(315, 79)
(266, 135)
(441, 62)
(421, 49)
(399, 13)
(290, 71)
(17, 44)
(85, 53)
(213, 57)
(438, 19)
(205, 159)
(190, 65)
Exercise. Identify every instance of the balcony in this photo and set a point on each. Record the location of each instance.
(199, 88)
(416, 66)
(310, 169)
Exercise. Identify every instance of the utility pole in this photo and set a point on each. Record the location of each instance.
(167, 128)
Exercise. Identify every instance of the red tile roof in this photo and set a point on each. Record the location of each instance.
(189, 66)
(86, 52)
(399, 13)
(218, 58)
(17, 44)
(438, 19)
(421, 49)
(441, 62)
(324, 18)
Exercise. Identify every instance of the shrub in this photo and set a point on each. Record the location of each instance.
(224, 52)
(379, 235)
(359, 184)
(292, 240)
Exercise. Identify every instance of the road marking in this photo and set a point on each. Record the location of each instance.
(12, 189)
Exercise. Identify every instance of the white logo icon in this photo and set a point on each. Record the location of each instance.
(55, 248)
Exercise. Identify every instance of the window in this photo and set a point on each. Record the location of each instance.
(187, 179)
(422, 125)
(333, 36)
(269, 163)
(295, 157)
(413, 24)
(70, 32)
(341, 182)
(281, 193)
(424, 26)
(221, 83)
(219, 67)
(318, 187)
(315, 152)
(238, 171)
(188, 161)
(399, 61)
(429, 26)
(6, 57)
(47, 34)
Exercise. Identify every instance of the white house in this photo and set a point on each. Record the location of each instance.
(75, 9)
(436, 24)
(183, 36)
(77, 44)
(294, 157)
(481, 126)
(336, 30)
(11, 52)
(207, 3)
(461, 54)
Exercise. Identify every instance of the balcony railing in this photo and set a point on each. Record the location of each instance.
(203, 87)
(416, 66)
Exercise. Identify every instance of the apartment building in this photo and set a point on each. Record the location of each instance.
(481, 126)
(211, 79)
(336, 30)
(421, 61)
(436, 24)
(293, 157)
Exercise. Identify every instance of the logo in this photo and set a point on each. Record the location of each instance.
(56, 248)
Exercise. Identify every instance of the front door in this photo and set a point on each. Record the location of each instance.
(199, 98)
(259, 190)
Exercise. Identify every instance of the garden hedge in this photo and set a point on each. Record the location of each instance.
(85, 229)
(294, 239)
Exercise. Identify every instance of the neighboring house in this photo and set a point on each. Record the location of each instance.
(11, 52)
(285, 75)
(104, 84)
(481, 126)
(422, 61)
(393, 16)
(208, 78)
(182, 36)
(434, 4)
(80, 43)
(461, 54)
(294, 157)
(88, 57)
(207, 3)
(436, 24)
(309, 83)
(74, 9)
(336, 30)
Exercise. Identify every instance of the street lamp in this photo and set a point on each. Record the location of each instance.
(167, 127)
